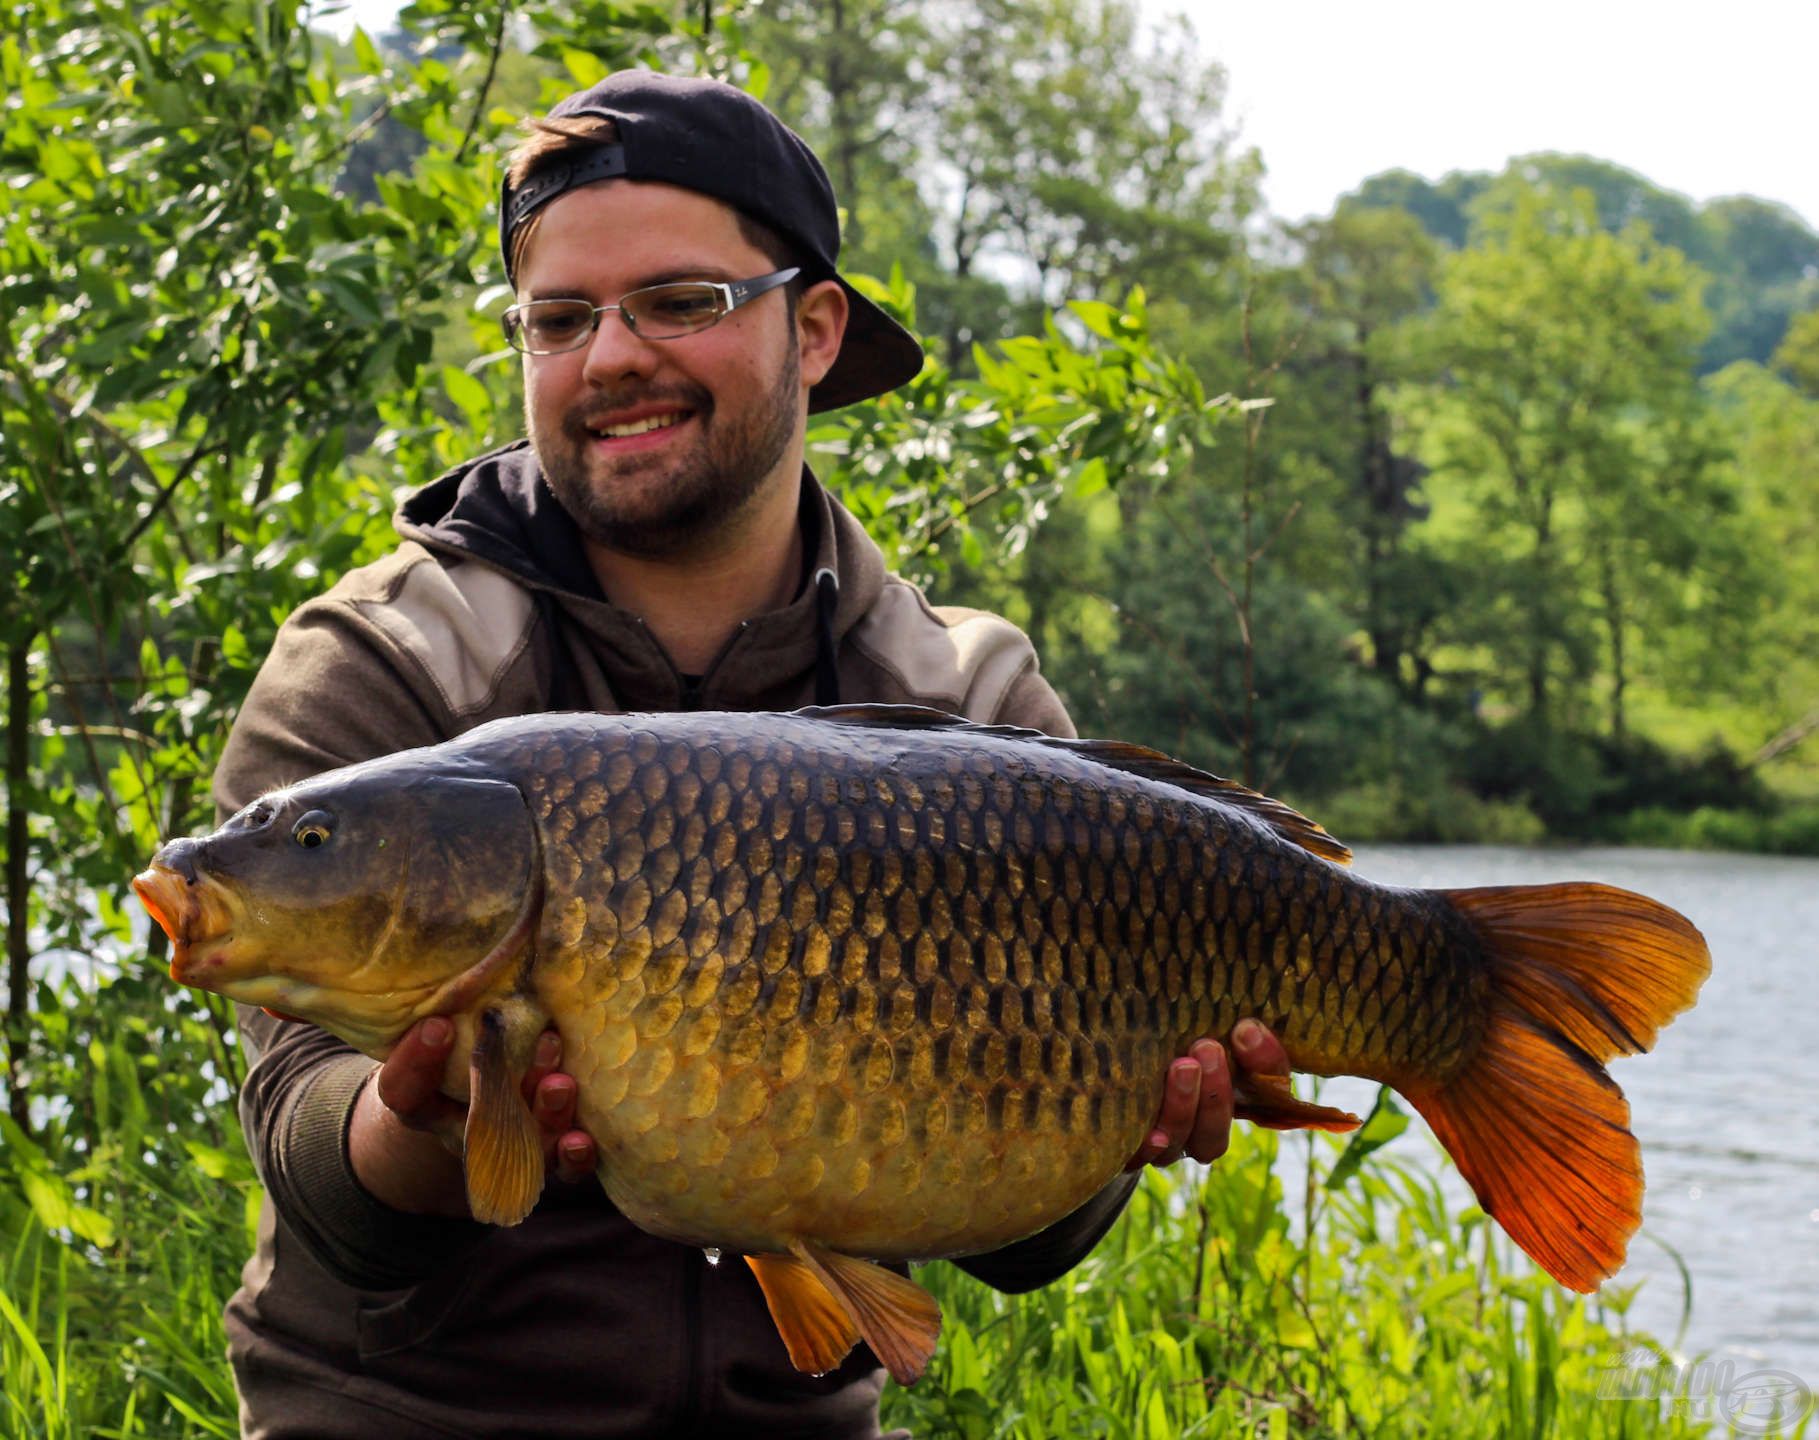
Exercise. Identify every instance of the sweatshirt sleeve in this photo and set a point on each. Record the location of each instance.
(332, 692)
(1032, 703)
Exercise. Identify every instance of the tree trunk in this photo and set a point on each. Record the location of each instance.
(18, 877)
(840, 88)
(1374, 475)
(1541, 614)
(1613, 617)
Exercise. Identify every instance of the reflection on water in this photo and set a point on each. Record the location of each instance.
(1727, 1105)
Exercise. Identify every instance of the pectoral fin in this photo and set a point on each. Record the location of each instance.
(816, 1326)
(504, 1150)
(1270, 1101)
(897, 1317)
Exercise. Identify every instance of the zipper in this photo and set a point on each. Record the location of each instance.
(714, 664)
(692, 692)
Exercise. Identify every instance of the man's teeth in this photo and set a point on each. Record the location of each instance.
(638, 427)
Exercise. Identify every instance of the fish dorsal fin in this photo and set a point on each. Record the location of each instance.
(1290, 824)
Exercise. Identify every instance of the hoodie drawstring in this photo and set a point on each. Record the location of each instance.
(827, 674)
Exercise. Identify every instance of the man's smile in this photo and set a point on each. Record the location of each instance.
(636, 428)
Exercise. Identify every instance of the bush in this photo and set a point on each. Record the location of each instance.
(1555, 773)
(1640, 774)
(1436, 814)
(1790, 831)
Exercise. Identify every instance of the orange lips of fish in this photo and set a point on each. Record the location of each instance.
(191, 913)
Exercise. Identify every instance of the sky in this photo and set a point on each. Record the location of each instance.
(1707, 99)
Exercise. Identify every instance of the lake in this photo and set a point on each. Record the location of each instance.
(1726, 1107)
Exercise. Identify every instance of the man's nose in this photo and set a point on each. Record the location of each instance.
(613, 350)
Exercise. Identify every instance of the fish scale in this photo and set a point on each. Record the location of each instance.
(874, 983)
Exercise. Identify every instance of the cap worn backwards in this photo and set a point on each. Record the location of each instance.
(711, 137)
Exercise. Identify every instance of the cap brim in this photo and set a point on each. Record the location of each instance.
(877, 355)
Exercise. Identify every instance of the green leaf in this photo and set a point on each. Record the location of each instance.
(48, 1197)
(210, 1160)
(468, 394)
(352, 295)
(1385, 1122)
(366, 54)
(584, 67)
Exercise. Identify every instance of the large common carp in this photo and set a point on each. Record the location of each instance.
(873, 983)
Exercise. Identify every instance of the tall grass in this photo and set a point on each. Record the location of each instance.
(1217, 1307)
(123, 1225)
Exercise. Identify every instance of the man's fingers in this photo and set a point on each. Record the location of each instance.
(410, 1085)
(1180, 1099)
(576, 1156)
(554, 1105)
(1212, 1127)
(410, 1080)
(544, 1060)
(1257, 1048)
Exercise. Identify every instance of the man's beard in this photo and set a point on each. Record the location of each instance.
(706, 487)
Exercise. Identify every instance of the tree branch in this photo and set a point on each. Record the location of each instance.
(486, 85)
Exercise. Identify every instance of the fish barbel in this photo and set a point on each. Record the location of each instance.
(873, 983)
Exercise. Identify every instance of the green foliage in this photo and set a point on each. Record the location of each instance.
(1798, 354)
(1572, 474)
(946, 466)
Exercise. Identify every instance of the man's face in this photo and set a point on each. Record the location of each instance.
(728, 402)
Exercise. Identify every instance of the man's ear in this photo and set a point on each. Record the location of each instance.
(820, 327)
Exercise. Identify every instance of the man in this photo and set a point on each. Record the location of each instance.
(658, 544)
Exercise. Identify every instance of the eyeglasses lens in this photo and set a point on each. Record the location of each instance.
(546, 326)
(663, 312)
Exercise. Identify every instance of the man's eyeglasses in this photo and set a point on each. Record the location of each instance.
(657, 312)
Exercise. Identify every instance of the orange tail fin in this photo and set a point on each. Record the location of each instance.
(1579, 973)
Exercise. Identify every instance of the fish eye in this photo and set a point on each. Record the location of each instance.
(314, 829)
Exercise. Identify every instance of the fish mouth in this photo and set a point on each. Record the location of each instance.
(198, 913)
(194, 913)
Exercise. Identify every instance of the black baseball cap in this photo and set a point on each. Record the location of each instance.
(712, 137)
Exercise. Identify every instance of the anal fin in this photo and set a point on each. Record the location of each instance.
(897, 1317)
(504, 1148)
(1270, 1101)
(817, 1328)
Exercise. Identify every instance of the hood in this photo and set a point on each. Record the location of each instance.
(499, 510)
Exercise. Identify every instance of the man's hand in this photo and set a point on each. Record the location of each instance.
(405, 1138)
(1196, 1114)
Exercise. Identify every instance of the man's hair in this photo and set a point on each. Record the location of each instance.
(553, 141)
